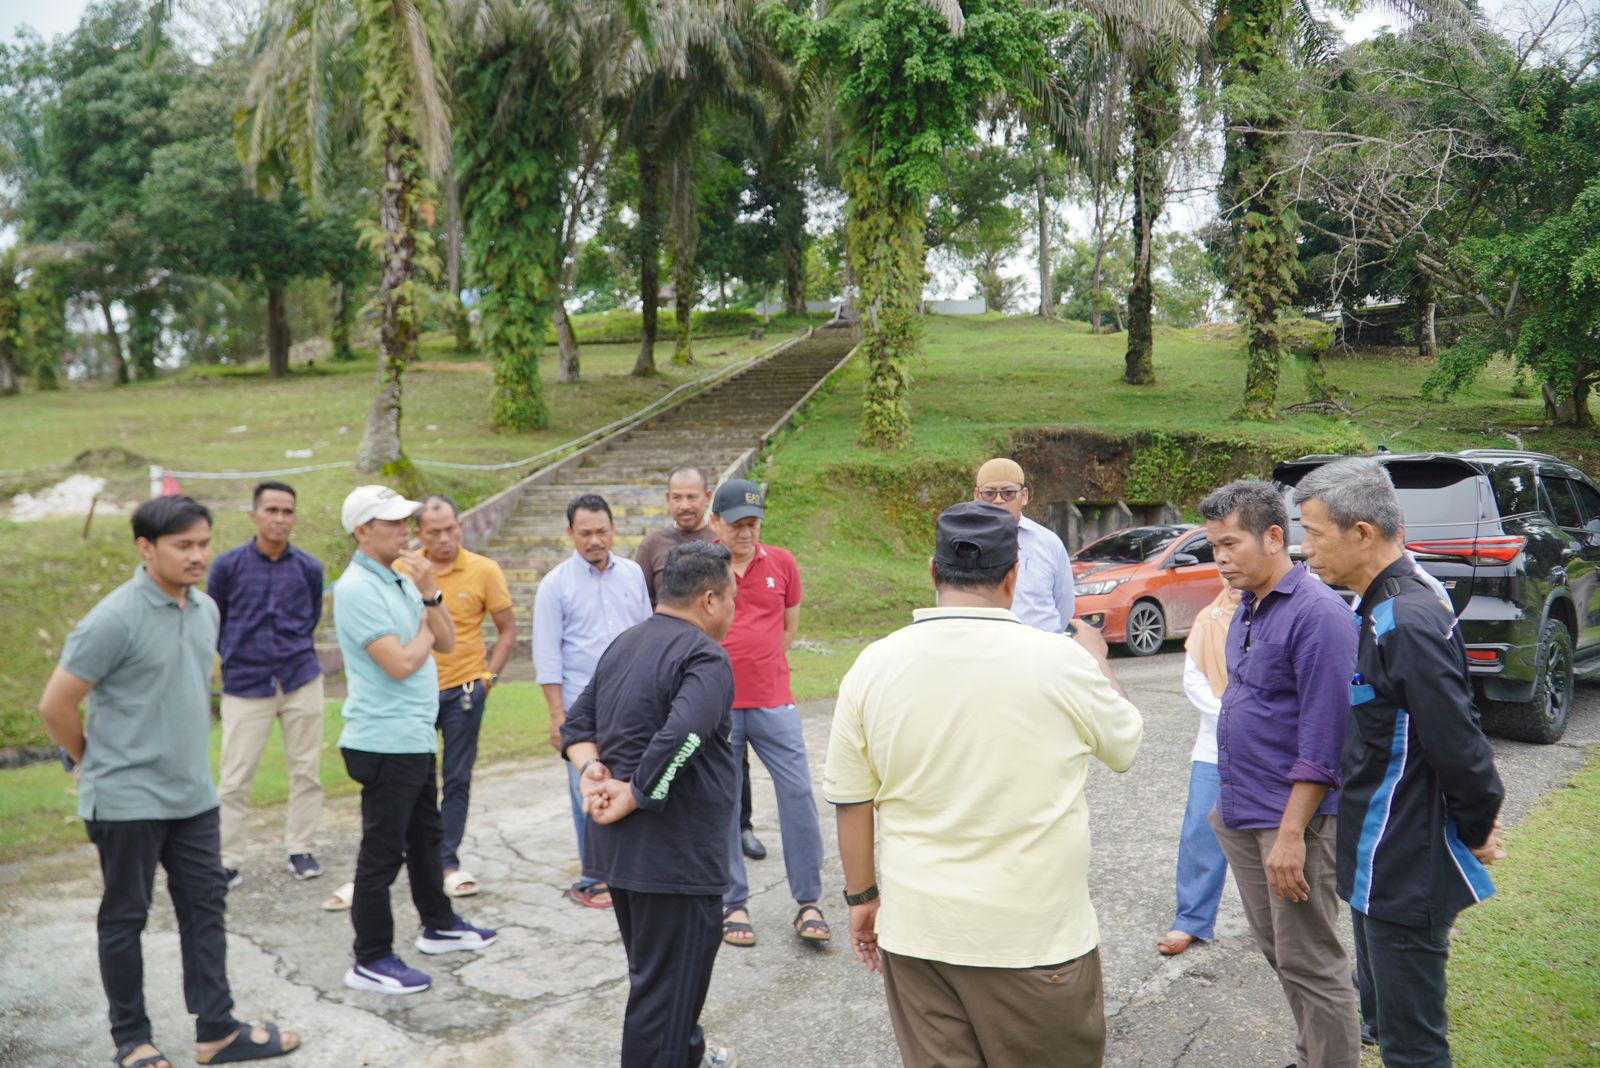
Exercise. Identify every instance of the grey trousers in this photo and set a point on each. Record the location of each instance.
(1301, 941)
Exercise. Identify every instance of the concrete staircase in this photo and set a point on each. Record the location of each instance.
(721, 429)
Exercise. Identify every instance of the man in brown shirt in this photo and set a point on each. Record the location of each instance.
(688, 498)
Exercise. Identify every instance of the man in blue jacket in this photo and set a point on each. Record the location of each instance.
(1417, 816)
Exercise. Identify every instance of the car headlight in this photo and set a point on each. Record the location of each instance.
(1095, 589)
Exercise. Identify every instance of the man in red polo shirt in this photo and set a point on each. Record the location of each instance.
(766, 617)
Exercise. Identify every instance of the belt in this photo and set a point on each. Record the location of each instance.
(466, 687)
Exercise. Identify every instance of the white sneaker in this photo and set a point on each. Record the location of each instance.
(718, 1057)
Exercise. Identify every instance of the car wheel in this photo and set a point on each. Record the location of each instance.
(1543, 718)
(1147, 629)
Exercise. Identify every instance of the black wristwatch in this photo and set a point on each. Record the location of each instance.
(869, 894)
(435, 601)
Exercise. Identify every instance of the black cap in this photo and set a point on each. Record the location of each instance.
(739, 498)
(975, 536)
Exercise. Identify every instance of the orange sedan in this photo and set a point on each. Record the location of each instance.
(1143, 585)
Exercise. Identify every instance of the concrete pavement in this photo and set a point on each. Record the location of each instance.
(551, 992)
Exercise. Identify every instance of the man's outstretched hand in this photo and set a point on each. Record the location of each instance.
(611, 801)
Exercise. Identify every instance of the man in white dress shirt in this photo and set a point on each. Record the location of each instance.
(1044, 597)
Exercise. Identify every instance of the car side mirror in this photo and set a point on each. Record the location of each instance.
(1184, 559)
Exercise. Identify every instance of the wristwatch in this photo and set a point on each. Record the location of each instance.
(435, 601)
(869, 894)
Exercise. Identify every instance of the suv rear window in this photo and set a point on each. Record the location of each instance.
(1435, 494)
(1516, 489)
(1130, 546)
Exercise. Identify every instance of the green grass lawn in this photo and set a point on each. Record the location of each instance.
(38, 805)
(1524, 978)
(192, 422)
(861, 522)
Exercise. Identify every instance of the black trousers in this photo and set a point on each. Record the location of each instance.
(191, 852)
(672, 942)
(1400, 973)
(744, 795)
(400, 824)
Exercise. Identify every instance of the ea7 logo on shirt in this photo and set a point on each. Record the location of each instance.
(772, 583)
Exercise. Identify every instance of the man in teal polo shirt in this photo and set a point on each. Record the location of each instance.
(390, 620)
(142, 659)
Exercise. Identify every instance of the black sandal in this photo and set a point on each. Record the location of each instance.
(245, 1048)
(127, 1048)
(733, 927)
(811, 930)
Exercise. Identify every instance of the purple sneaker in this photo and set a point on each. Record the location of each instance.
(387, 975)
(462, 936)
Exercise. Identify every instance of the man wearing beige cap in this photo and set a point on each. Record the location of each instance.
(390, 618)
(1044, 596)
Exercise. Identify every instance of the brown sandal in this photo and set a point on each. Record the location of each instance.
(811, 930)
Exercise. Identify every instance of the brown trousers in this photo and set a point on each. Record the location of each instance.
(955, 1016)
(1301, 941)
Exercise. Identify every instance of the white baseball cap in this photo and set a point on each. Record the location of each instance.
(367, 503)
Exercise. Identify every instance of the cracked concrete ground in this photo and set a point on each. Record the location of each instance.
(551, 992)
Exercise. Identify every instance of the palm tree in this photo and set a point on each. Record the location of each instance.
(327, 68)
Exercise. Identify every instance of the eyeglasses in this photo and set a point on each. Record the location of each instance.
(992, 495)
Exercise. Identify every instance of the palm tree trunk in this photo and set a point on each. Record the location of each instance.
(452, 265)
(685, 246)
(277, 331)
(1153, 126)
(116, 343)
(886, 249)
(649, 259)
(1047, 303)
(568, 367)
(380, 450)
(343, 312)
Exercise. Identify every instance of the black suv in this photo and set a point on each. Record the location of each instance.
(1515, 539)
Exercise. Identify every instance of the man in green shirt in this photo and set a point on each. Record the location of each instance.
(142, 659)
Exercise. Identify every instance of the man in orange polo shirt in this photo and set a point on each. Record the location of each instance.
(473, 587)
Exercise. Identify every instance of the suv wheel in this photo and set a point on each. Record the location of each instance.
(1542, 719)
(1147, 629)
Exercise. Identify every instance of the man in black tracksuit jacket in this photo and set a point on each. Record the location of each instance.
(650, 737)
(1417, 812)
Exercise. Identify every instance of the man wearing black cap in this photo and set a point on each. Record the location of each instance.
(763, 708)
(963, 741)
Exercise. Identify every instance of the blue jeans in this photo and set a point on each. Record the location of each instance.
(1400, 973)
(579, 821)
(1202, 869)
(460, 718)
(780, 742)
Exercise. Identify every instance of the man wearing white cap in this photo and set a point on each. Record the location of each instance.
(390, 622)
(1045, 596)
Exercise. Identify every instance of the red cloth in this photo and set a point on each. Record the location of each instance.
(169, 485)
(755, 642)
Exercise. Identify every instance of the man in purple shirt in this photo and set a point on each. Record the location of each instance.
(270, 596)
(1291, 649)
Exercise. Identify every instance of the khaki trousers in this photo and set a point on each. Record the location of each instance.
(956, 1016)
(246, 723)
(1301, 941)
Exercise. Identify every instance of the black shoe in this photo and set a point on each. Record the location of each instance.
(752, 845)
(1369, 1037)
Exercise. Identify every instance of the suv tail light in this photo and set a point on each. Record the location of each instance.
(1474, 551)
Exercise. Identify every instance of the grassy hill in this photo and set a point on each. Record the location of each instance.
(860, 521)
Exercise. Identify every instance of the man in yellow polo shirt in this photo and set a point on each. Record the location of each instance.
(966, 738)
(473, 588)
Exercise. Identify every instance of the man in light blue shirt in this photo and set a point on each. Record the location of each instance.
(582, 604)
(1044, 597)
(390, 618)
